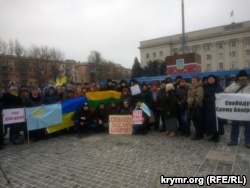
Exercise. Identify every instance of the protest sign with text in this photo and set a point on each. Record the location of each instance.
(233, 106)
(120, 124)
(135, 90)
(137, 117)
(16, 115)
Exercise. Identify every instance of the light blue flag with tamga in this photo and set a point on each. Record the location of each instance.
(43, 116)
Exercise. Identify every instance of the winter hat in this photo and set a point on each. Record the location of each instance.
(178, 77)
(242, 73)
(13, 88)
(169, 87)
(204, 78)
(86, 104)
(211, 76)
(69, 85)
(125, 89)
(155, 84)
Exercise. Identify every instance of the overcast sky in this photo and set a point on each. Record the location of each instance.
(112, 27)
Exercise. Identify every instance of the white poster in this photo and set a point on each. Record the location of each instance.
(233, 106)
(135, 89)
(16, 115)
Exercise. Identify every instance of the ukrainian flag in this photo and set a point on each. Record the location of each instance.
(68, 109)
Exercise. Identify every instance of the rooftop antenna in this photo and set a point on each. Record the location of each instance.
(183, 38)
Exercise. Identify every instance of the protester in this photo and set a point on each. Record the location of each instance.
(59, 92)
(68, 93)
(126, 109)
(82, 120)
(169, 109)
(35, 99)
(92, 89)
(241, 86)
(110, 85)
(101, 117)
(123, 84)
(78, 92)
(182, 107)
(155, 105)
(51, 97)
(113, 109)
(146, 96)
(210, 90)
(144, 127)
(160, 98)
(195, 106)
(204, 81)
(126, 96)
(12, 100)
(84, 91)
(99, 87)
(177, 81)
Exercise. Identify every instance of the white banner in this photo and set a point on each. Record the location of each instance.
(233, 106)
(16, 115)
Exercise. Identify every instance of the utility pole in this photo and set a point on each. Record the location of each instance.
(183, 38)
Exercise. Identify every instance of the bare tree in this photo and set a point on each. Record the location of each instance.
(3, 47)
(18, 49)
(56, 54)
(95, 57)
(11, 47)
(34, 52)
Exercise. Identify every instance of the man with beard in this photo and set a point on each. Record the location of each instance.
(241, 86)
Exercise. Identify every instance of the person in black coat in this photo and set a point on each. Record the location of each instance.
(109, 85)
(211, 88)
(101, 117)
(170, 110)
(160, 104)
(12, 100)
(82, 119)
(113, 109)
(35, 99)
(51, 97)
(182, 107)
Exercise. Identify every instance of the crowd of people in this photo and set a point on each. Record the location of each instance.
(168, 107)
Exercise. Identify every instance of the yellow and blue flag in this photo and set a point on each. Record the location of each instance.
(69, 107)
(43, 116)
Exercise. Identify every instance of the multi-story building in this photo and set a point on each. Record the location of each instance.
(34, 71)
(221, 48)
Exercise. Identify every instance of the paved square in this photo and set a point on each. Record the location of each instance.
(102, 160)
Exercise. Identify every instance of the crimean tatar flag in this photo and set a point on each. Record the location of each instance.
(43, 116)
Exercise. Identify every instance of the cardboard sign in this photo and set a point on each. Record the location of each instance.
(137, 117)
(135, 90)
(120, 124)
(16, 115)
(233, 106)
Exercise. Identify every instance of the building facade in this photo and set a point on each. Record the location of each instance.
(221, 48)
(34, 71)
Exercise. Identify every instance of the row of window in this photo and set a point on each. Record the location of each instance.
(220, 46)
(232, 54)
(234, 65)
(207, 47)
(154, 54)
